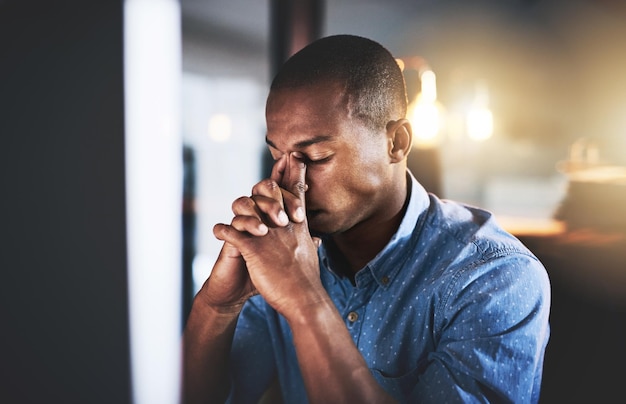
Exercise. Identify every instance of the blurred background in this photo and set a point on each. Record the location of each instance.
(548, 73)
(521, 109)
(519, 106)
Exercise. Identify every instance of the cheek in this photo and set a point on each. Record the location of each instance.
(317, 178)
(340, 184)
(328, 184)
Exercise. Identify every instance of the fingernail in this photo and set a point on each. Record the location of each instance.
(299, 214)
(282, 218)
(263, 228)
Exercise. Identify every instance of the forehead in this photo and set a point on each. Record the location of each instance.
(296, 114)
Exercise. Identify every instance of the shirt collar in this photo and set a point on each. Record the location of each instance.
(384, 267)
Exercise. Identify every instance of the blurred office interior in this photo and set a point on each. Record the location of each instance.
(550, 163)
(522, 105)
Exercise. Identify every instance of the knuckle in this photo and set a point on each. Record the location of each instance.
(299, 187)
(264, 186)
(237, 222)
(242, 203)
(264, 203)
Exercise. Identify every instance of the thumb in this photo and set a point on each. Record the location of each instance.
(295, 176)
(294, 181)
(229, 251)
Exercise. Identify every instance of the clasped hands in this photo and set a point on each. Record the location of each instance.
(267, 247)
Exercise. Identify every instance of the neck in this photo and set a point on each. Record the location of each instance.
(353, 249)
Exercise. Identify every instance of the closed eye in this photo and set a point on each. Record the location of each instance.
(319, 160)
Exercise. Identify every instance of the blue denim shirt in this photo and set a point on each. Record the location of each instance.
(453, 309)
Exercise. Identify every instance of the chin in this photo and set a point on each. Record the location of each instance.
(322, 225)
(318, 225)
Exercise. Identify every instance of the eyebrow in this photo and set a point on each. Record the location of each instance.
(304, 143)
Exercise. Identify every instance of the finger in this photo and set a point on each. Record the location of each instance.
(271, 211)
(270, 188)
(245, 206)
(268, 210)
(230, 235)
(228, 251)
(268, 198)
(293, 205)
(278, 169)
(242, 241)
(249, 224)
(294, 180)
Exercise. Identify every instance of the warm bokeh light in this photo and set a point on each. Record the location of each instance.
(429, 86)
(425, 113)
(479, 117)
(425, 119)
(479, 123)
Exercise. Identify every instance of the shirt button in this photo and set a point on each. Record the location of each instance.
(384, 280)
(353, 316)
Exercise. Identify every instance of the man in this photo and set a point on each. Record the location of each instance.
(397, 296)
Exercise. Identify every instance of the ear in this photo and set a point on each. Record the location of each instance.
(400, 138)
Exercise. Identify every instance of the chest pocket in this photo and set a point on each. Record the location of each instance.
(400, 387)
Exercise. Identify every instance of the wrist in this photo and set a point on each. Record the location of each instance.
(315, 311)
(204, 304)
(206, 321)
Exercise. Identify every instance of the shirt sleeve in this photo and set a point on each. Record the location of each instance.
(252, 365)
(491, 330)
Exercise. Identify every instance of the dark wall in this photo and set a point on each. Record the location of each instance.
(586, 356)
(63, 287)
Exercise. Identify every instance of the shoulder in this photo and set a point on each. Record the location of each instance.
(476, 252)
(473, 230)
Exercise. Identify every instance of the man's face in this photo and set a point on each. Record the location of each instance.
(347, 165)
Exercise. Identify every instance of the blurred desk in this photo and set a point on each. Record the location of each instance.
(586, 356)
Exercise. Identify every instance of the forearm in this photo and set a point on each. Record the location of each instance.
(332, 367)
(207, 341)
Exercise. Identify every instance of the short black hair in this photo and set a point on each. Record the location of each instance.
(369, 73)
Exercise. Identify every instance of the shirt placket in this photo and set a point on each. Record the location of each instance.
(354, 313)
